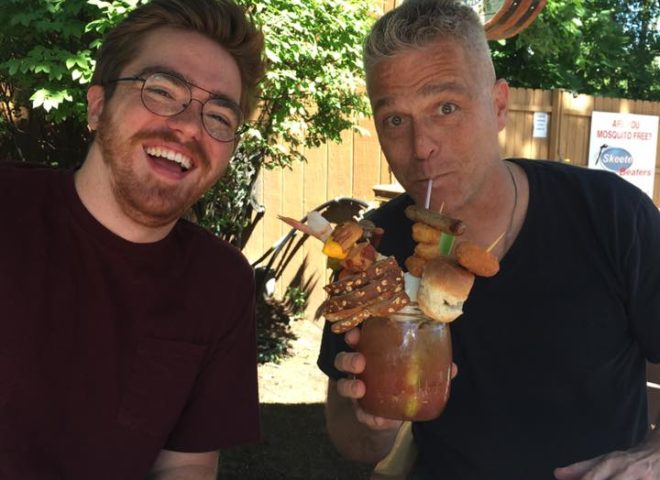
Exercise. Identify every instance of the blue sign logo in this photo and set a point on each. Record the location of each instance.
(615, 159)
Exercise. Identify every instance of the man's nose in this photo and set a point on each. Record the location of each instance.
(425, 139)
(189, 121)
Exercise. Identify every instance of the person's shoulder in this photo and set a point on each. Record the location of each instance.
(22, 178)
(216, 252)
(391, 211)
(27, 170)
(589, 180)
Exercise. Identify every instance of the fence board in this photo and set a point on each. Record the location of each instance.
(293, 195)
(366, 164)
(316, 188)
(340, 166)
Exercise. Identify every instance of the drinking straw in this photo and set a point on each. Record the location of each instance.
(429, 187)
(446, 241)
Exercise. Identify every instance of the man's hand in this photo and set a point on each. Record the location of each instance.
(639, 463)
(354, 364)
(172, 465)
(356, 434)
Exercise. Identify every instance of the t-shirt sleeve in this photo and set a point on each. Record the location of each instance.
(643, 275)
(331, 345)
(223, 409)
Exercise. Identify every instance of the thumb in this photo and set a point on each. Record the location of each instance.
(575, 471)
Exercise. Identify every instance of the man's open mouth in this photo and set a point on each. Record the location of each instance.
(163, 154)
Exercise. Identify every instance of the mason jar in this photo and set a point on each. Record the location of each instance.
(408, 366)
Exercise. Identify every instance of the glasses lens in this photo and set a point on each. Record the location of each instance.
(221, 118)
(164, 94)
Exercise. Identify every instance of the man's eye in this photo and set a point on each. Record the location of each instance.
(219, 120)
(155, 91)
(447, 109)
(393, 121)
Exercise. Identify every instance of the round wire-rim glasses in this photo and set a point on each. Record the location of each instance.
(167, 95)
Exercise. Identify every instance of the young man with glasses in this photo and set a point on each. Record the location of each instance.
(128, 346)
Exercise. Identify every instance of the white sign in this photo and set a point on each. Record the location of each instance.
(626, 144)
(540, 125)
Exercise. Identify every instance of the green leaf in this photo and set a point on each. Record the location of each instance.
(39, 97)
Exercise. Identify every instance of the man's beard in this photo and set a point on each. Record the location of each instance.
(146, 200)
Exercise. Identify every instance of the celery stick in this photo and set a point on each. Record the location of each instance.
(446, 244)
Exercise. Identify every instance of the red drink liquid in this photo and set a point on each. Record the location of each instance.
(408, 366)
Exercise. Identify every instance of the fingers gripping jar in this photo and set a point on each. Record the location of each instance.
(408, 365)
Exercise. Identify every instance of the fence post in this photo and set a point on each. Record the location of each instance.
(556, 110)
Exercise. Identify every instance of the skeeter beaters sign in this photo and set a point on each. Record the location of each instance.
(625, 144)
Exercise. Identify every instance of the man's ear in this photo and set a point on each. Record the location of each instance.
(501, 102)
(95, 104)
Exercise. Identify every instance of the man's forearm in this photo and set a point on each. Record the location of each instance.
(188, 472)
(172, 465)
(353, 439)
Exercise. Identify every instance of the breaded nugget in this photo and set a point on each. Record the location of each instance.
(415, 265)
(427, 251)
(477, 259)
(423, 233)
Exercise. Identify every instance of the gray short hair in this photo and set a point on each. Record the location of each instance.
(417, 23)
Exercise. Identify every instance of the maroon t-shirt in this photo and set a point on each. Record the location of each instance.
(109, 350)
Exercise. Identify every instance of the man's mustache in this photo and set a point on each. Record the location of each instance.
(169, 137)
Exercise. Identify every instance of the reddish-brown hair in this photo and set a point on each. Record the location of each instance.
(220, 20)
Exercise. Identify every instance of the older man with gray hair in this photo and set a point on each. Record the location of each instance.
(551, 351)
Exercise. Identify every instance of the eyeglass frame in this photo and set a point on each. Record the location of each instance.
(145, 75)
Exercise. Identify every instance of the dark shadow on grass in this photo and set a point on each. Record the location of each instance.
(295, 446)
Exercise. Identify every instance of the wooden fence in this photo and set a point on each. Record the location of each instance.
(356, 167)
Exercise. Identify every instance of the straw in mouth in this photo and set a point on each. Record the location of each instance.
(429, 187)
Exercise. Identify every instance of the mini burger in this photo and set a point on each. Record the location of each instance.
(444, 287)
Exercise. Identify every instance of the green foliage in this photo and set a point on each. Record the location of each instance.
(313, 49)
(597, 47)
(43, 45)
(274, 317)
(296, 298)
(274, 335)
(46, 53)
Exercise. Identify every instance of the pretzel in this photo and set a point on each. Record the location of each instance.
(350, 283)
(345, 325)
(349, 312)
(383, 307)
(389, 306)
(390, 281)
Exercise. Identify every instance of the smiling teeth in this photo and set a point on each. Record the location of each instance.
(176, 157)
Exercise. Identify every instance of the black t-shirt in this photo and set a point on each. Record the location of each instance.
(551, 351)
(112, 350)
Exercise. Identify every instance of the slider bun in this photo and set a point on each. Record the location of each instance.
(444, 287)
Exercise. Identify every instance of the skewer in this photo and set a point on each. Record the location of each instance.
(298, 226)
(497, 240)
